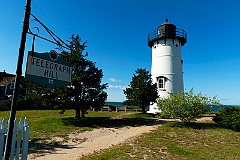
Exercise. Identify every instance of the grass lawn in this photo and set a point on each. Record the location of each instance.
(177, 141)
(48, 125)
(45, 124)
(170, 141)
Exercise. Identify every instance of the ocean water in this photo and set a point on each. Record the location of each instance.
(115, 103)
(214, 108)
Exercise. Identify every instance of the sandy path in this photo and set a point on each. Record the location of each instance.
(94, 140)
(87, 142)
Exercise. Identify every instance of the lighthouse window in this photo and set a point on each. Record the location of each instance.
(161, 83)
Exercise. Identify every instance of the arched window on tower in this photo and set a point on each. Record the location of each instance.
(161, 83)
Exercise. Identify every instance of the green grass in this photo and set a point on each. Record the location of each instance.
(170, 141)
(177, 141)
(45, 124)
(137, 116)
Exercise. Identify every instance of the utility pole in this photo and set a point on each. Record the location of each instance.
(17, 79)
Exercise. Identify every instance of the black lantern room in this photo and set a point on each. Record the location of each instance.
(167, 31)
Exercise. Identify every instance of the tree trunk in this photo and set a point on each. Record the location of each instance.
(83, 113)
(143, 109)
(77, 109)
(77, 112)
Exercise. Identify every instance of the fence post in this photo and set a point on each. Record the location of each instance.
(18, 130)
(3, 131)
(26, 130)
(13, 138)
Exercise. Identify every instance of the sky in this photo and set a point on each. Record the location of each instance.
(116, 33)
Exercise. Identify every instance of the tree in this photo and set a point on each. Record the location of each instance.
(86, 89)
(186, 105)
(39, 96)
(141, 92)
(228, 117)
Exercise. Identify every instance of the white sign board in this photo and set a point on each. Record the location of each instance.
(54, 71)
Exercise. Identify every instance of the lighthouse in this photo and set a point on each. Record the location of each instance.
(166, 43)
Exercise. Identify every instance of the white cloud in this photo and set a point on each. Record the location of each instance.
(117, 87)
(114, 80)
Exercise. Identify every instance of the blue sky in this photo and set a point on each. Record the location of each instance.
(116, 31)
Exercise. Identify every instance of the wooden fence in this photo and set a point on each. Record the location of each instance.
(117, 109)
(19, 141)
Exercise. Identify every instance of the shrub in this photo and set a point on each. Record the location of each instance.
(187, 106)
(228, 118)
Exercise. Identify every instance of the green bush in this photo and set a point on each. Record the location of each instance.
(187, 106)
(228, 118)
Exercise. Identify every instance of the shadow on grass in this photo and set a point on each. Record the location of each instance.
(93, 122)
(97, 122)
(194, 125)
(41, 145)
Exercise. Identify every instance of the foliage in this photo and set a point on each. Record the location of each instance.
(141, 92)
(186, 105)
(229, 118)
(86, 89)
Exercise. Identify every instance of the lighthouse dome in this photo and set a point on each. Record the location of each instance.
(167, 30)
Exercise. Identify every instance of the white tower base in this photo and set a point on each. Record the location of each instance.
(153, 109)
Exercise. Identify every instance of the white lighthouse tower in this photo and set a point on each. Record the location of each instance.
(166, 43)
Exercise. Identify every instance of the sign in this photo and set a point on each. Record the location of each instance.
(48, 69)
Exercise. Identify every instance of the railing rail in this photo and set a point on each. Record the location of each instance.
(157, 34)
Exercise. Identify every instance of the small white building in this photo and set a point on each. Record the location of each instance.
(166, 43)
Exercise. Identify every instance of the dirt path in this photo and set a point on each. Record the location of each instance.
(86, 143)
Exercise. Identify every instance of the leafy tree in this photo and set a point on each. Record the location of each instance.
(86, 89)
(141, 92)
(186, 105)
